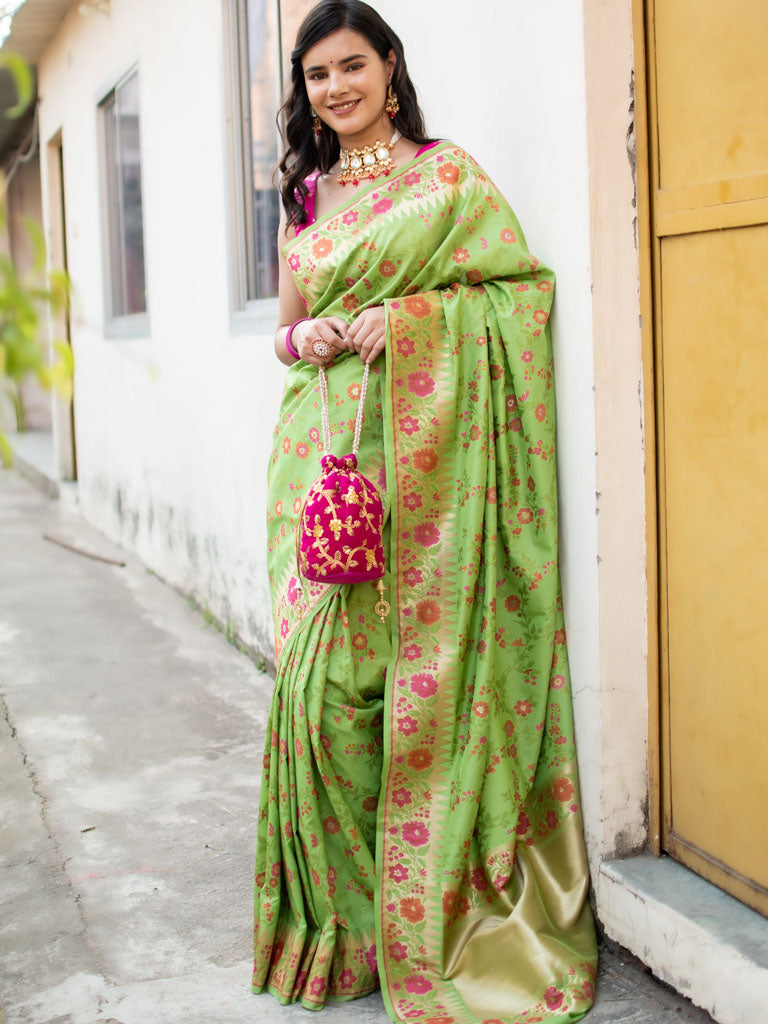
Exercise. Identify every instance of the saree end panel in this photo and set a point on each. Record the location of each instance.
(479, 740)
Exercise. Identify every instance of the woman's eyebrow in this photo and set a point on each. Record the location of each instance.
(344, 60)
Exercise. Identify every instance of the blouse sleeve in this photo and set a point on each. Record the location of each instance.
(309, 201)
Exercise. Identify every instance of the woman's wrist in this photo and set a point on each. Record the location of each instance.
(293, 352)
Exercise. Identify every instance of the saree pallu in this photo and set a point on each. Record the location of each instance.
(420, 823)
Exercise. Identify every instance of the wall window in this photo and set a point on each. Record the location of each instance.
(262, 33)
(124, 224)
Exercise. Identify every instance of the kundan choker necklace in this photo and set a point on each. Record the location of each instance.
(368, 162)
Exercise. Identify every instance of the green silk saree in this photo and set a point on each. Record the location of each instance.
(420, 823)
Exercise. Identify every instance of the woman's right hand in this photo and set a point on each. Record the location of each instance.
(330, 329)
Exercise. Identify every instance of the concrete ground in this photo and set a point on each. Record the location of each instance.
(130, 750)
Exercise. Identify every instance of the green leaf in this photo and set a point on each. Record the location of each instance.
(23, 79)
(23, 350)
(36, 236)
(66, 356)
(61, 286)
(62, 371)
(6, 452)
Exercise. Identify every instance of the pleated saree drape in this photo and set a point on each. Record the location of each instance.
(420, 823)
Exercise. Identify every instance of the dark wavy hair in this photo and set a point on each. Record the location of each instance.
(302, 154)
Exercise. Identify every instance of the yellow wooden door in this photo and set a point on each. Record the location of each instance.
(708, 105)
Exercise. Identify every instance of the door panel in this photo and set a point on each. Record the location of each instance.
(714, 320)
(712, 104)
(708, 84)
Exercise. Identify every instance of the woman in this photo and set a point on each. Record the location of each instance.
(420, 824)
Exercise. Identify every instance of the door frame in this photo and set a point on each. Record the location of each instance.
(63, 408)
(646, 150)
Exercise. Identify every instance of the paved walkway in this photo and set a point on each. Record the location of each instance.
(130, 756)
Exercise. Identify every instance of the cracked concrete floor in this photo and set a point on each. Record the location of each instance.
(130, 753)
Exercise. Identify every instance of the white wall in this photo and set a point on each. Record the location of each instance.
(509, 86)
(174, 431)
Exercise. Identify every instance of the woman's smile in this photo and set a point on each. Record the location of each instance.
(339, 109)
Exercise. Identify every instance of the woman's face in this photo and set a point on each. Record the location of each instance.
(347, 82)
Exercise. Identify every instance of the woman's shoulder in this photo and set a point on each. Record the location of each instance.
(445, 149)
(455, 153)
(442, 141)
(427, 146)
(450, 146)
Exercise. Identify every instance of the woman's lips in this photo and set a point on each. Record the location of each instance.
(344, 108)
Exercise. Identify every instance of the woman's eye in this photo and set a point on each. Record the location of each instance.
(354, 67)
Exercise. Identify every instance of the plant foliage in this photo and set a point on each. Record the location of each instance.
(25, 299)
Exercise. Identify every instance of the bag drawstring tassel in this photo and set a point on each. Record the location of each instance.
(382, 607)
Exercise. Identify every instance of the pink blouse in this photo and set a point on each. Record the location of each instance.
(311, 183)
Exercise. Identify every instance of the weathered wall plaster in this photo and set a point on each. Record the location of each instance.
(622, 625)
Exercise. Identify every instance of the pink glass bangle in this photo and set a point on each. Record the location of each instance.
(291, 350)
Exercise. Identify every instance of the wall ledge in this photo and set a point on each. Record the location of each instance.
(706, 944)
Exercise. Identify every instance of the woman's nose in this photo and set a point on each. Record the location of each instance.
(336, 83)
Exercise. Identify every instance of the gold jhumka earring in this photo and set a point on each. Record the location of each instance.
(392, 105)
(317, 124)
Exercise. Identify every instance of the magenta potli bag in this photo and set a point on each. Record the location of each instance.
(339, 537)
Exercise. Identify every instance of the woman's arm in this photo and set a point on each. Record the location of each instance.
(331, 329)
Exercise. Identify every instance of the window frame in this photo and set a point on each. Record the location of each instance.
(129, 325)
(247, 316)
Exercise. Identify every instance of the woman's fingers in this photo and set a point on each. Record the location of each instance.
(371, 334)
(320, 340)
(365, 339)
(353, 330)
(368, 333)
(338, 325)
(364, 331)
(368, 318)
(372, 348)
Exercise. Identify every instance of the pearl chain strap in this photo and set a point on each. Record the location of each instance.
(325, 416)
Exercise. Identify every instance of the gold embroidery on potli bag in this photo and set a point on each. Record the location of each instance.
(326, 562)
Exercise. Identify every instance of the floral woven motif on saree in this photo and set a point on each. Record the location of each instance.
(420, 823)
